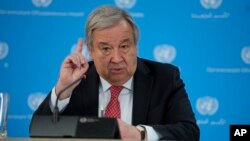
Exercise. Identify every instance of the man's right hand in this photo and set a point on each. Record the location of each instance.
(73, 67)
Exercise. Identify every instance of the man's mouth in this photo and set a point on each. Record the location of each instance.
(116, 70)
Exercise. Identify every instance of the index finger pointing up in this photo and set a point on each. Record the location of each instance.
(79, 45)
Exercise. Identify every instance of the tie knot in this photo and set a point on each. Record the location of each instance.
(115, 90)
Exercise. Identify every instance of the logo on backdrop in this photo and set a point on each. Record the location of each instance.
(211, 4)
(4, 50)
(41, 3)
(42, 12)
(164, 53)
(85, 52)
(210, 11)
(207, 105)
(245, 54)
(35, 99)
(127, 4)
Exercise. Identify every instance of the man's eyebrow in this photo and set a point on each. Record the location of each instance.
(125, 40)
(102, 43)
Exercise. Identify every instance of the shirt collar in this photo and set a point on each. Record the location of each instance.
(106, 85)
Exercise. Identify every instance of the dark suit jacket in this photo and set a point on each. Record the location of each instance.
(159, 100)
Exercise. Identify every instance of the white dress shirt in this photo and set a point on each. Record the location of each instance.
(126, 103)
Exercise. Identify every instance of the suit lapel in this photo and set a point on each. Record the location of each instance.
(142, 93)
(92, 92)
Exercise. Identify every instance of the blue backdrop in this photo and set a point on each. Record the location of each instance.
(209, 40)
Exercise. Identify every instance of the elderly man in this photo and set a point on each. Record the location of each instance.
(147, 98)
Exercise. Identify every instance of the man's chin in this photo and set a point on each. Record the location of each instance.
(117, 80)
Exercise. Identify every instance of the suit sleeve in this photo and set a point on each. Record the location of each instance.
(180, 122)
(44, 108)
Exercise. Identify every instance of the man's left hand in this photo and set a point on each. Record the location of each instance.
(128, 132)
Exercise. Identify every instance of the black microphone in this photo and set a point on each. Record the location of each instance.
(56, 110)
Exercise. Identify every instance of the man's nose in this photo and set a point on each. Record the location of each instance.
(116, 56)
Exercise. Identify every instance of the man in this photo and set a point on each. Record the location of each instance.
(150, 95)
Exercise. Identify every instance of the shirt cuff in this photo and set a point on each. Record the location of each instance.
(61, 103)
(151, 134)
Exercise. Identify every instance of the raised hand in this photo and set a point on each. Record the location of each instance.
(73, 67)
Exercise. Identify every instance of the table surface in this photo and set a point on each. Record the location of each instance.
(54, 139)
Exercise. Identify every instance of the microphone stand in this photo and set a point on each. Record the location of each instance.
(56, 110)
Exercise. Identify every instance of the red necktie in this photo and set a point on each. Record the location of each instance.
(113, 109)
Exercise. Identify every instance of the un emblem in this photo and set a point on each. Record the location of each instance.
(85, 52)
(207, 105)
(211, 4)
(164, 53)
(41, 3)
(4, 49)
(125, 3)
(35, 99)
(245, 54)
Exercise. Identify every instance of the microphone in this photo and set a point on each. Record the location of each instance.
(56, 110)
(73, 126)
